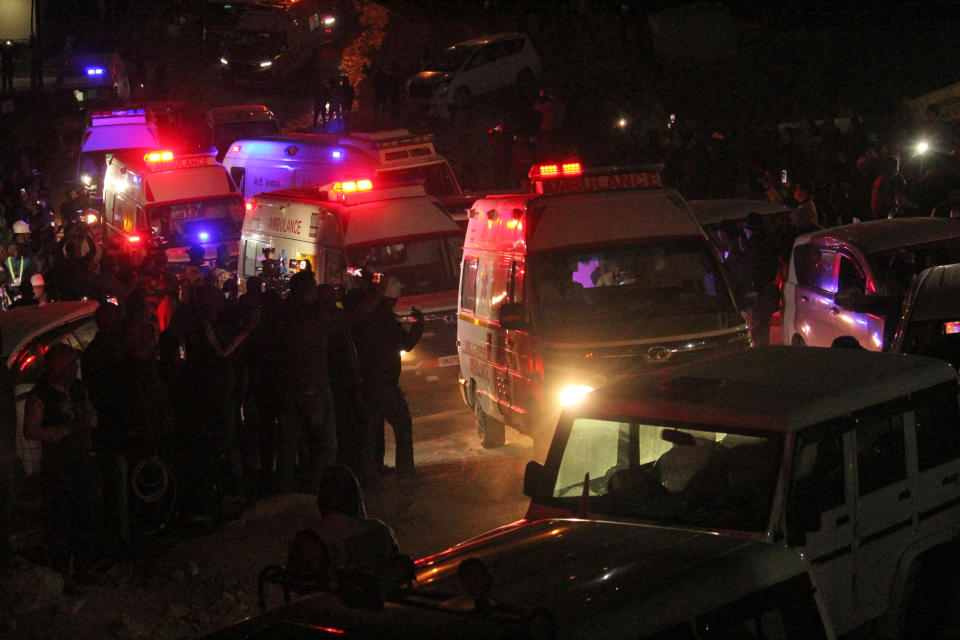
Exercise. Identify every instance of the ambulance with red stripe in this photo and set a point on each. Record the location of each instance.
(346, 228)
(173, 200)
(592, 275)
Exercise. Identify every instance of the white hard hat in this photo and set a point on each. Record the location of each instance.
(21, 227)
(36, 280)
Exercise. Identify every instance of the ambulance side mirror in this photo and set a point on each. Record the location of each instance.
(535, 481)
(513, 315)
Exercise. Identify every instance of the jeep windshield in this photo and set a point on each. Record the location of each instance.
(424, 265)
(692, 477)
(633, 291)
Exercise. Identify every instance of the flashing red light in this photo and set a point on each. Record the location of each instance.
(249, 206)
(566, 169)
(133, 239)
(158, 156)
(28, 361)
(352, 186)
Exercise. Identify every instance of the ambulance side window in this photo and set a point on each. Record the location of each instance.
(468, 285)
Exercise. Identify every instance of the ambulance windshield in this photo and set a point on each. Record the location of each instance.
(427, 265)
(633, 291)
(196, 222)
(693, 476)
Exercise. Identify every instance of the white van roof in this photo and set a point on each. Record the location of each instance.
(394, 212)
(578, 218)
(113, 137)
(388, 148)
(780, 388)
(188, 176)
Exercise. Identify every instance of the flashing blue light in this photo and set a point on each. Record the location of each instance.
(95, 71)
(336, 155)
(203, 236)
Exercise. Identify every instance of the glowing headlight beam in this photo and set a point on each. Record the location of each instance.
(573, 394)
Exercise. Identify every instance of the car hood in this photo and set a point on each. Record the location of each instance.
(431, 77)
(581, 569)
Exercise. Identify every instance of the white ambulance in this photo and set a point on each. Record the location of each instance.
(273, 163)
(396, 230)
(174, 200)
(110, 132)
(592, 275)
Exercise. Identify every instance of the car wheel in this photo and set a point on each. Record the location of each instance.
(798, 341)
(462, 98)
(492, 432)
(526, 79)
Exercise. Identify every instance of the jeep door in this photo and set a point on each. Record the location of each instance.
(812, 296)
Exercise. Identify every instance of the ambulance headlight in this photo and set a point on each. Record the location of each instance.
(224, 61)
(573, 394)
(86, 179)
(266, 63)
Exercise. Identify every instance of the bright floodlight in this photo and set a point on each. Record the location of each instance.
(922, 146)
(573, 394)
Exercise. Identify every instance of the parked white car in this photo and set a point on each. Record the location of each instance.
(850, 280)
(473, 68)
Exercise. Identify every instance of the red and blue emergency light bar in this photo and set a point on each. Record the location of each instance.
(164, 160)
(569, 177)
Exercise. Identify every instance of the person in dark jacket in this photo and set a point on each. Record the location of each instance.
(58, 414)
(380, 338)
(8, 458)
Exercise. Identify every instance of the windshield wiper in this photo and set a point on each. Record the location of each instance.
(583, 506)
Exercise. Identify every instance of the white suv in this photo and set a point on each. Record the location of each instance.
(475, 67)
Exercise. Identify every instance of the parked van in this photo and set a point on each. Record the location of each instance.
(173, 200)
(270, 164)
(859, 472)
(110, 132)
(595, 273)
(395, 230)
(227, 124)
(95, 80)
(473, 68)
(850, 280)
(929, 323)
(267, 39)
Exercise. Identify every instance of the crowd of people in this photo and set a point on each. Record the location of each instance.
(194, 400)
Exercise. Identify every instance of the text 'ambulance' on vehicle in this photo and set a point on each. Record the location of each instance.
(357, 226)
(173, 200)
(273, 163)
(591, 275)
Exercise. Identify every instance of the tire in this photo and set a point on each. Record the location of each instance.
(798, 341)
(492, 432)
(463, 98)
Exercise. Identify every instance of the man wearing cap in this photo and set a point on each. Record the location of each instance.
(380, 338)
(58, 414)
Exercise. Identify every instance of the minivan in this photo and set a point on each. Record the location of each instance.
(850, 280)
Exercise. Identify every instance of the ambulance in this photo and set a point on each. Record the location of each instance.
(110, 132)
(593, 274)
(173, 200)
(274, 163)
(388, 229)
